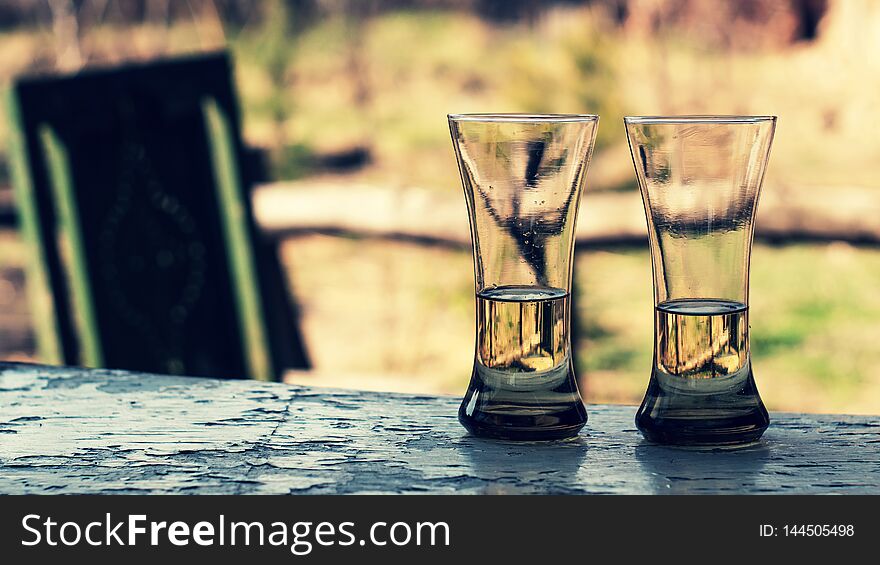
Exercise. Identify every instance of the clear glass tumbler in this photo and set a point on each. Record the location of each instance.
(523, 176)
(700, 177)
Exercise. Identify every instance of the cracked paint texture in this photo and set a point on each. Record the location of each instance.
(69, 430)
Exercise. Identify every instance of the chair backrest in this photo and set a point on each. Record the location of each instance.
(145, 251)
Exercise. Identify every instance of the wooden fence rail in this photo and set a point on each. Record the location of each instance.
(431, 217)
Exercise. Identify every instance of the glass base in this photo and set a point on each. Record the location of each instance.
(702, 412)
(523, 406)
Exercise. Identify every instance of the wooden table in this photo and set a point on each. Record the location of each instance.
(65, 430)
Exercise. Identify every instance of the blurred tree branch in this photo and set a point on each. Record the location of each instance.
(65, 28)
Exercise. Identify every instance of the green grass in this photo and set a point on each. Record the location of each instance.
(814, 318)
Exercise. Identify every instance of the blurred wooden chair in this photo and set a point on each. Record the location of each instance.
(145, 255)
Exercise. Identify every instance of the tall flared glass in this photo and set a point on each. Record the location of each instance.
(700, 177)
(523, 176)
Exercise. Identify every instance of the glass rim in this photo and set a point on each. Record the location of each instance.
(515, 117)
(699, 119)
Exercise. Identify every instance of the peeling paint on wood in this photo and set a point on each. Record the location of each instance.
(66, 430)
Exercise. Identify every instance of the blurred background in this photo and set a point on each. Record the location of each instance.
(346, 103)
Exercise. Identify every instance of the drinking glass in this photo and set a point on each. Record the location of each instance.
(700, 177)
(523, 176)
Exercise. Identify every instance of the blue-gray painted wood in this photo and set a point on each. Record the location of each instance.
(65, 430)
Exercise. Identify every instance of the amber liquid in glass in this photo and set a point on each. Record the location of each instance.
(701, 339)
(523, 384)
(702, 390)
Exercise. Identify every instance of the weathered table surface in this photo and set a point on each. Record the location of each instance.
(66, 430)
